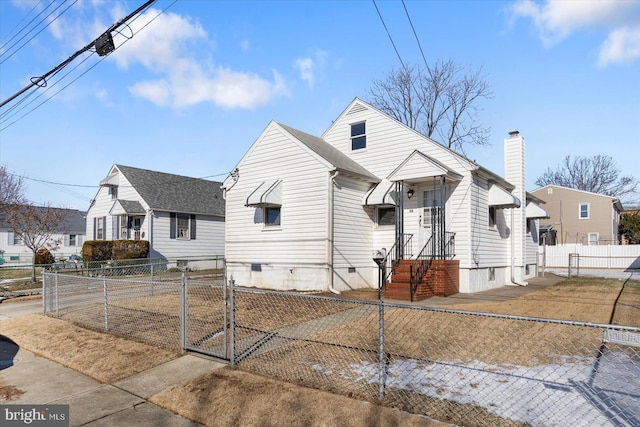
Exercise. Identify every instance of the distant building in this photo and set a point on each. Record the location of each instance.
(579, 216)
(70, 234)
(180, 216)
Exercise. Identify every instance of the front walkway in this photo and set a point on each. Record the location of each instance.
(503, 293)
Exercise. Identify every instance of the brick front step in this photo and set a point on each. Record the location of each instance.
(442, 279)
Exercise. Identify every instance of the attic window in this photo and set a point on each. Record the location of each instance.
(113, 191)
(358, 136)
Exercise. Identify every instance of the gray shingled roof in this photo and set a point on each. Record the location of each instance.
(175, 193)
(74, 221)
(131, 206)
(331, 154)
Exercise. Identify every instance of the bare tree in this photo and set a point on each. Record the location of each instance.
(598, 174)
(441, 100)
(11, 188)
(36, 225)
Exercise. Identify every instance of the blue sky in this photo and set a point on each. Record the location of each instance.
(192, 90)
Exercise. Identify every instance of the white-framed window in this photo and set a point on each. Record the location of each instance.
(593, 239)
(182, 227)
(358, 136)
(124, 227)
(113, 191)
(73, 240)
(271, 216)
(584, 211)
(17, 240)
(492, 216)
(386, 216)
(100, 228)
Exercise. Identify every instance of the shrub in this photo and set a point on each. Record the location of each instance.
(97, 250)
(44, 257)
(130, 249)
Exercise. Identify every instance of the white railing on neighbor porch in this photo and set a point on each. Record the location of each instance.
(595, 256)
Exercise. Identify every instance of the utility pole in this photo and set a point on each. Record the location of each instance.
(103, 45)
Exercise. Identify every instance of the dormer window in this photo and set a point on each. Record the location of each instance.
(113, 191)
(358, 136)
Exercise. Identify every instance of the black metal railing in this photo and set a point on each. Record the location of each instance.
(390, 261)
(444, 249)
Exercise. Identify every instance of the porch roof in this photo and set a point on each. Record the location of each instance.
(127, 207)
(382, 194)
(501, 198)
(418, 166)
(267, 193)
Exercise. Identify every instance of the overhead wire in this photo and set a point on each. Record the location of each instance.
(36, 34)
(389, 35)
(3, 116)
(11, 37)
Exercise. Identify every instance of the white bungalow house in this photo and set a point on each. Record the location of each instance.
(312, 213)
(64, 242)
(179, 216)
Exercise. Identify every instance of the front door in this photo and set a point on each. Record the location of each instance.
(431, 218)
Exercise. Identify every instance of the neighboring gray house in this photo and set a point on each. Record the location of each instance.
(70, 235)
(307, 212)
(578, 216)
(179, 216)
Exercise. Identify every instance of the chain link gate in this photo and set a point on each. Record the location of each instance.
(205, 326)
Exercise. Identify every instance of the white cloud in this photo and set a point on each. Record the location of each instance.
(622, 46)
(187, 81)
(305, 66)
(311, 66)
(557, 20)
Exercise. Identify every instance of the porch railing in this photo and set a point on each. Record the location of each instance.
(390, 261)
(430, 251)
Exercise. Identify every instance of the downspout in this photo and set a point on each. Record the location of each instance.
(330, 231)
(513, 257)
(150, 215)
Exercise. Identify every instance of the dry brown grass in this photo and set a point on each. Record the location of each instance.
(103, 357)
(227, 397)
(576, 299)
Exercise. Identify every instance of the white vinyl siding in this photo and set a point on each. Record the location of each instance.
(353, 237)
(209, 239)
(103, 203)
(301, 239)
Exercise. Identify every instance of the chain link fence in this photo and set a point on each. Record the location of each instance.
(461, 367)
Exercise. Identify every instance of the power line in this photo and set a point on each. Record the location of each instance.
(6, 115)
(415, 35)
(103, 45)
(36, 34)
(389, 34)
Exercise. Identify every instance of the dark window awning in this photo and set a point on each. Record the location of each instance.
(383, 194)
(501, 198)
(267, 194)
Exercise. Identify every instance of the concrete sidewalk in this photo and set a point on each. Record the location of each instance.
(30, 379)
(503, 293)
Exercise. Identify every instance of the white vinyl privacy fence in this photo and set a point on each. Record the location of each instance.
(461, 367)
(595, 256)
